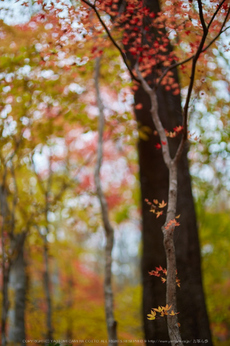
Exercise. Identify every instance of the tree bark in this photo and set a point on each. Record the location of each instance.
(154, 178)
(17, 286)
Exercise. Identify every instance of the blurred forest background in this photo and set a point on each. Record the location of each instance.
(50, 214)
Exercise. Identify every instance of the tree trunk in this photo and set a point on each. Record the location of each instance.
(5, 303)
(46, 278)
(17, 288)
(154, 177)
(5, 264)
(154, 184)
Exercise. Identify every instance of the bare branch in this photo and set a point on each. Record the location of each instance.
(221, 30)
(228, 27)
(192, 78)
(215, 13)
(171, 68)
(155, 117)
(201, 15)
(203, 50)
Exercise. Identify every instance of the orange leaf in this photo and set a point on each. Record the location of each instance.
(139, 106)
(172, 223)
(162, 204)
(159, 213)
(154, 273)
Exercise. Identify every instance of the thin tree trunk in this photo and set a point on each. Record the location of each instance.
(69, 303)
(17, 286)
(5, 303)
(5, 262)
(172, 321)
(169, 226)
(47, 278)
(47, 290)
(109, 231)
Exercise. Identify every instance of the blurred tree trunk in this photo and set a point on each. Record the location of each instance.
(5, 263)
(47, 283)
(154, 184)
(17, 290)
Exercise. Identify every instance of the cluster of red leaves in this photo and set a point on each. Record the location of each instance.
(132, 23)
(162, 273)
(170, 134)
(175, 132)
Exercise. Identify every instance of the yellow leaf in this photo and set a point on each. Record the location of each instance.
(151, 316)
(162, 204)
(159, 213)
(143, 135)
(172, 313)
(167, 307)
(159, 309)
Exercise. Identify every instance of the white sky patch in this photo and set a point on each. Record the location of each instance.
(9, 77)
(74, 87)
(113, 172)
(42, 154)
(10, 126)
(41, 159)
(47, 74)
(6, 89)
(13, 12)
(206, 249)
(7, 109)
(222, 91)
(24, 71)
(38, 47)
(83, 139)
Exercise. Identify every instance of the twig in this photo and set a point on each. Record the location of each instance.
(192, 78)
(155, 117)
(201, 15)
(203, 50)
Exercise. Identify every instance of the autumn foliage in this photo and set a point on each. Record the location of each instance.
(48, 153)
